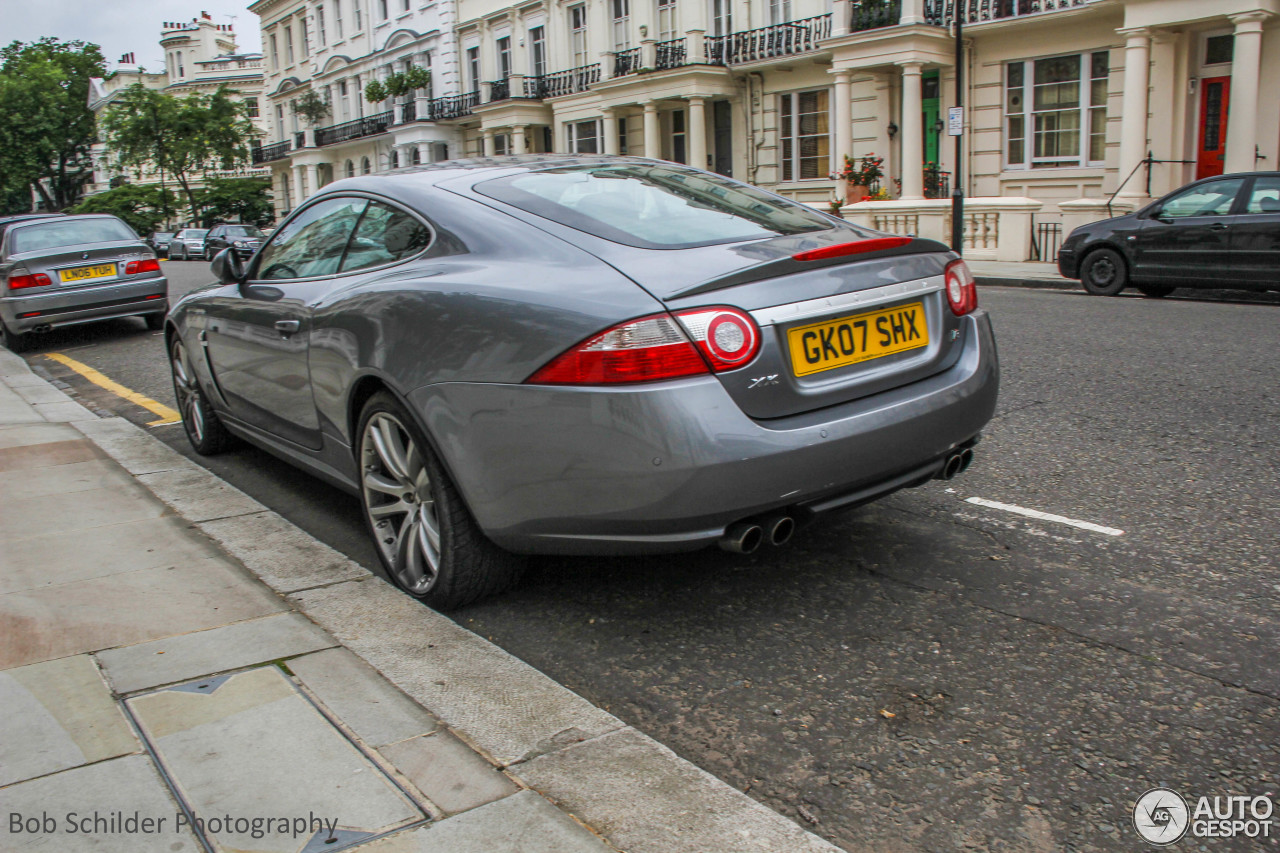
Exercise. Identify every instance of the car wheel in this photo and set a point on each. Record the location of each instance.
(173, 255)
(206, 433)
(1104, 273)
(14, 341)
(155, 322)
(424, 534)
(1156, 291)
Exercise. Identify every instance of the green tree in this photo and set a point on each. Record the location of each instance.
(179, 137)
(48, 127)
(243, 199)
(143, 206)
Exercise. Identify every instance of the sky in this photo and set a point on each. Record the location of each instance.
(121, 26)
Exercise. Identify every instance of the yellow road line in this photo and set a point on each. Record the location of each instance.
(167, 415)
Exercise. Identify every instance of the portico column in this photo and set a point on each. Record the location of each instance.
(1242, 118)
(297, 182)
(652, 137)
(1133, 118)
(488, 143)
(519, 142)
(843, 116)
(698, 132)
(912, 131)
(609, 122)
(424, 152)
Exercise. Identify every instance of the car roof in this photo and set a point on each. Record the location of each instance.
(20, 217)
(475, 170)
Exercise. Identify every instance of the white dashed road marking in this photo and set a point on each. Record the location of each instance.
(1045, 516)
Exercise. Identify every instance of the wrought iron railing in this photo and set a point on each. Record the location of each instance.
(361, 127)
(671, 54)
(768, 42)
(409, 111)
(300, 140)
(942, 12)
(874, 14)
(535, 87)
(453, 106)
(626, 61)
(571, 81)
(499, 90)
(937, 183)
(267, 153)
(1046, 240)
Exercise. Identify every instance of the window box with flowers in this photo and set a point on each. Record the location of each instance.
(859, 177)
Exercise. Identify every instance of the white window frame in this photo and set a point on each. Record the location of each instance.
(502, 46)
(1019, 108)
(320, 32)
(668, 20)
(337, 19)
(790, 168)
(472, 55)
(621, 12)
(538, 50)
(288, 45)
(275, 53)
(721, 17)
(779, 12)
(578, 43)
(575, 137)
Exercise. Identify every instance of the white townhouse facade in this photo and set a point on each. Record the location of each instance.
(200, 57)
(1065, 100)
(335, 48)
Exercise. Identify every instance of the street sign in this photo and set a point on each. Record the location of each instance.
(955, 121)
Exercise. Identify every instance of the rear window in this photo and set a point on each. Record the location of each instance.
(243, 231)
(193, 233)
(56, 235)
(653, 207)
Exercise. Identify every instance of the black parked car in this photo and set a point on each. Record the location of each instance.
(1221, 232)
(159, 242)
(244, 239)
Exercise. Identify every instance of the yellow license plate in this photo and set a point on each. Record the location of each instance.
(87, 273)
(862, 337)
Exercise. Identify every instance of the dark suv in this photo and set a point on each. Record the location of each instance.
(244, 239)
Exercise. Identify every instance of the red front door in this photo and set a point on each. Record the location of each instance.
(1215, 95)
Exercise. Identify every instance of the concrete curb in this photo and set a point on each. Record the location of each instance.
(633, 791)
(1039, 283)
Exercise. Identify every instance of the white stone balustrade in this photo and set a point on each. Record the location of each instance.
(996, 229)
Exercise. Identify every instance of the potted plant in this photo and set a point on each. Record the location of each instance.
(313, 108)
(859, 176)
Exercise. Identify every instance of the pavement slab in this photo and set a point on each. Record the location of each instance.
(58, 804)
(284, 557)
(255, 747)
(524, 823)
(55, 558)
(374, 709)
(180, 658)
(506, 707)
(645, 799)
(64, 412)
(24, 434)
(15, 410)
(198, 495)
(94, 507)
(58, 714)
(450, 773)
(127, 608)
(60, 478)
(32, 456)
(136, 450)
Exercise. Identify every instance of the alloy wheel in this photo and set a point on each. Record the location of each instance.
(190, 405)
(400, 503)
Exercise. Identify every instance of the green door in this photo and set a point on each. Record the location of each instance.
(932, 112)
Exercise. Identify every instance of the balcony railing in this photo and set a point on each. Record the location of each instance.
(768, 42)
(570, 82)
(671, 54)
(453, 106)
(626, 61)
(409, 111)
(299, 140)
(267, 153)
(874, 14)
(499, 90)
(937, 183)
(942, 12)
(348, 130)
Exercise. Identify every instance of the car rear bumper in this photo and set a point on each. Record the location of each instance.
(1068, 263)
(55, 308)
(667, 467)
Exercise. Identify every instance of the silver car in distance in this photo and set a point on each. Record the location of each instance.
(584, 355)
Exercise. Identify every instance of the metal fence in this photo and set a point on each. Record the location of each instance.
(1046, 239)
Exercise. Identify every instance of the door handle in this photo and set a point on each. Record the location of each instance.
(287, 327)
(1217, 226)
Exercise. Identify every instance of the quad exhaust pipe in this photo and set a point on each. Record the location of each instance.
(745, 537)
(955, 464)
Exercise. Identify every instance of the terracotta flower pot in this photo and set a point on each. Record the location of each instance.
(855, 192)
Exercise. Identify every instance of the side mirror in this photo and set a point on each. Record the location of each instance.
(227, 267)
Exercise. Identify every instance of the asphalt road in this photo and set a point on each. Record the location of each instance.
(928, 673)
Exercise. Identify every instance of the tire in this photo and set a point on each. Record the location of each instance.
(1155, 291)
(207, 434)
(14, 342)
(422, 530)
(155, 322)
(174, 257)
(1104, 272)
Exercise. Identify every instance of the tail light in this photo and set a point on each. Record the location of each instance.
(149, 265)
(643, 350)
(962, 289)
(857, 247)
(727, 337)
(28, 280)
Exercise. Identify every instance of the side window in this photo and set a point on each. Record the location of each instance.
(385, 235)
(1265, 197)
(312, 243)
(1211, 199)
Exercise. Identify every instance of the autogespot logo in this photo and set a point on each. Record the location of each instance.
(1161, 816)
